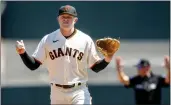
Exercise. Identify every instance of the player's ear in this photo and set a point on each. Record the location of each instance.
(76, 19)
(57, 18)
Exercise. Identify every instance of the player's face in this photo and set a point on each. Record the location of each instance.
(67, 21)
(144, 71)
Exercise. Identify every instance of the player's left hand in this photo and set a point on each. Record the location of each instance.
(108, 46)
(167, 62)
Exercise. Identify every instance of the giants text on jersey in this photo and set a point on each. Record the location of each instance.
(67, 59)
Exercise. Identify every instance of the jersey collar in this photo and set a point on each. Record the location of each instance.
(73, 34)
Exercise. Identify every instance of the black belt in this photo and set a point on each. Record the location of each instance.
(66, 86)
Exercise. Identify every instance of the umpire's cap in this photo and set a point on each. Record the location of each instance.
(68, 9)
(142, 63)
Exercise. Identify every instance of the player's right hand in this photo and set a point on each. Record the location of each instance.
(20, 47)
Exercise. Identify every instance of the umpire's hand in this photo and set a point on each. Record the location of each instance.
(20, 48)
(167, 62)
(119, 61)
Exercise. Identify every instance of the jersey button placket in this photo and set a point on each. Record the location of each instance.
(65, 71)
(65, 77)
(65, 66)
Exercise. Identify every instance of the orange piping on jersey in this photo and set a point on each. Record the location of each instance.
(37, 60)
(75, 30)
(94, 64)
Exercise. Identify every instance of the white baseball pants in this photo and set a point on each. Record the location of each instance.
(76, 95)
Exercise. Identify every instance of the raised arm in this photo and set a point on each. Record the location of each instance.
(167, 66)
(121, 75)
(28, 60)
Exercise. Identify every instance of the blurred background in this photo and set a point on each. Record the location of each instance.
(143, 28)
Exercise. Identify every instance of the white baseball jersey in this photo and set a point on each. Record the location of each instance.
(67, 60)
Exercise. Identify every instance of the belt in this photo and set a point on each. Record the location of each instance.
(66, 86)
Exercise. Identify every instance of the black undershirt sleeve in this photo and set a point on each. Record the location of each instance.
(33, 64)
(29, 61)
(100, 65)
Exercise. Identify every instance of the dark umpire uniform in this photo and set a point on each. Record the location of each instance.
(147, 89)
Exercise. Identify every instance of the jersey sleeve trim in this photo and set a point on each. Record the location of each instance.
(94, 64)
(37, 60)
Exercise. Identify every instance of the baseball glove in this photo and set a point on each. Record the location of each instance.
(107, 46)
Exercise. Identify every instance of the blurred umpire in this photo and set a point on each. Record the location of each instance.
(147, 85)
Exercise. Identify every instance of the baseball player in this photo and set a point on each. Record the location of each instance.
(67, 53)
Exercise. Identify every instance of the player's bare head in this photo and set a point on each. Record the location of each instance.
(67, 16)
(143, 67)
